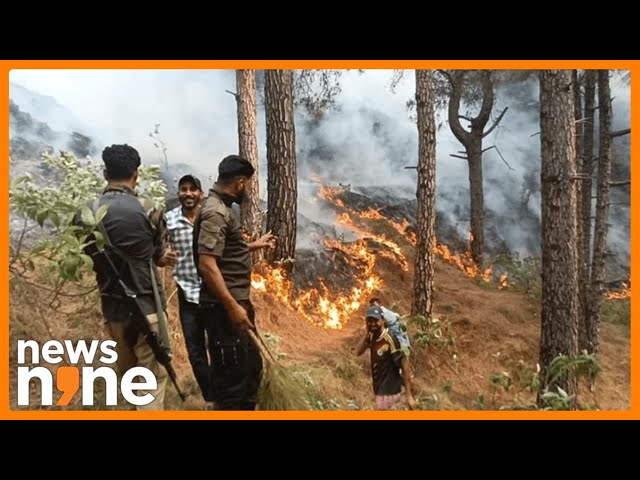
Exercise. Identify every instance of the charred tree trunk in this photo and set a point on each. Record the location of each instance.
(282, 183)
(583, 262)
(559, 325)
(248, 148)
(426, 193)
(472, 142)
(601, 228)
(585, 203)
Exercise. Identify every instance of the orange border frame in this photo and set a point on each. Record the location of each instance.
(6, 66)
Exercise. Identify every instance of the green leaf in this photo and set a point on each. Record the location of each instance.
(41, 217)
(100, 241)
(38, 249)
(88, 261)
(101, 212)
(87, 216)
(55, 219)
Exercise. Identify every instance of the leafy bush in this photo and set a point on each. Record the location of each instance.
(53, 207)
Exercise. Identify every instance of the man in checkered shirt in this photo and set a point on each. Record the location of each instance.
(179, 223)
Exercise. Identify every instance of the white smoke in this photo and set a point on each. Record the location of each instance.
(366, 141)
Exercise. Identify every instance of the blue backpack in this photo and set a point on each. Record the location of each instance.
(395, 324)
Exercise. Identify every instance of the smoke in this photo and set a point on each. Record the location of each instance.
(365, 141)
(197, 116)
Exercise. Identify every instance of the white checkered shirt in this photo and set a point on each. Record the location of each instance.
(184, 273)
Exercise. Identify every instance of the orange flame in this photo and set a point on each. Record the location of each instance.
(621, 294)
(317, 305)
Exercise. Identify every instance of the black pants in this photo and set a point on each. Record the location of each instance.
(236, 362)
(193, 328)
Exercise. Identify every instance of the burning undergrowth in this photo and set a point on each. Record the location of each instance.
(338, 260)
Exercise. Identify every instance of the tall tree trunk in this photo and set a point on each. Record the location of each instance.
(282, 184)
(474, 153)
(601, 227)
(583, 261)
(248, 148)
(586, 202)
(559, 325)
(426, 193)
(472, 142)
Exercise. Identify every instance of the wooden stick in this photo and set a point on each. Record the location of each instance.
(257, 339)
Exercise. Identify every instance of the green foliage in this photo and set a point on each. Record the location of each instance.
(53, 208)
(558, 400)
(581, 366)
(525, 376)
(447, 387)
(617, 311)
(434, 332)
(522, 274)
(152, 189)
(501, 380)
(478, 402)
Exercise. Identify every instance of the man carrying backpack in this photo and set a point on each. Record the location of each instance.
(389, 364)
(393, 321)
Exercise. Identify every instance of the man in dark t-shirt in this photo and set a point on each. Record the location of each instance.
(389, 364)
(135, 251)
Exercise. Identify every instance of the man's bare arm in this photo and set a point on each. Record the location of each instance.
(365, 342)
(406, 377)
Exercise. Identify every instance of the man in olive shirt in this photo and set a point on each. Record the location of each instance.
(224, 264)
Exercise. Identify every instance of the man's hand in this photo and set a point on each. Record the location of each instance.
(238, 315)
(169, 259)
(265, 241)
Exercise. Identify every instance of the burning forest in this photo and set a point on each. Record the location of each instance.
(358, 236)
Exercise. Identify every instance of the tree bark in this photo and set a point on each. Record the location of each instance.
(472, 142)
(583, 262)
(559, 325)
(426, 193)
(281, 163)
(248, 148)
(476, 193)
(586, 203)
(601, 227)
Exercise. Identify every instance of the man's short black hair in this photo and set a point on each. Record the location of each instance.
(120, 161)
(234, 166)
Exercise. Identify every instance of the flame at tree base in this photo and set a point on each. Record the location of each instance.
(317, 305)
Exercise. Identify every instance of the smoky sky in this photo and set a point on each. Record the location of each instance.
(366, 140)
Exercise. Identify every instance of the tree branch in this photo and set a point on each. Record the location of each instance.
(620, 183)
(487, 101)
(620, 133)
(232, 93)
(453, 112)
(495, 124)
(464, 117)
(458, 156)
(411, 167)
(18, 247)
(447, 75)
(505, 162)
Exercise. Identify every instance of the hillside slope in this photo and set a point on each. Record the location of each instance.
(494, 331)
